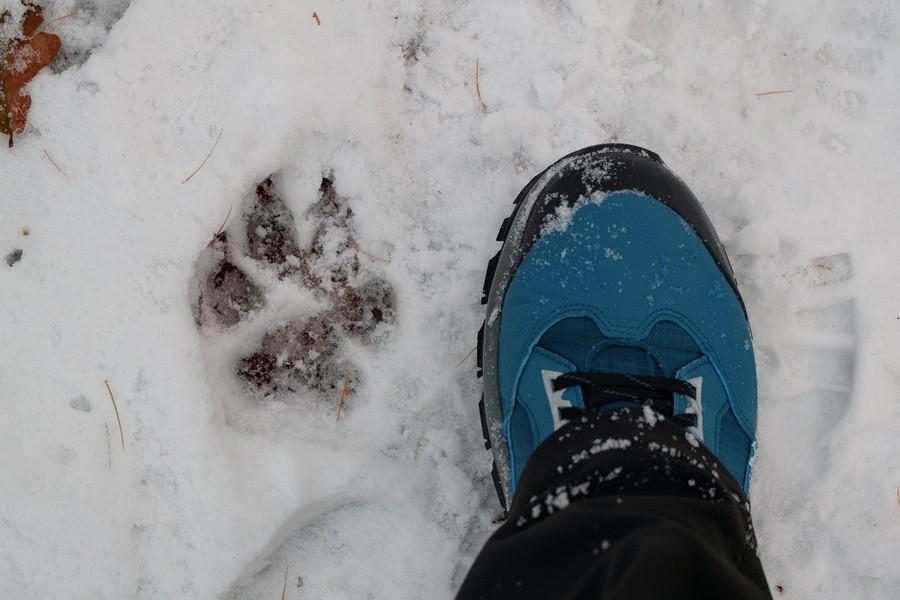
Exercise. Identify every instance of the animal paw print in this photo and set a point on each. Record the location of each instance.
(304, 353)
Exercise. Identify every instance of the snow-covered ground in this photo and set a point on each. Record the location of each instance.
(214, 492)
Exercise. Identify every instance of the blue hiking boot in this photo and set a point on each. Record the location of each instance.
(612, 289)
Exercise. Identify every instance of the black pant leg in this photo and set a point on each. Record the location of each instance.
(622, 504)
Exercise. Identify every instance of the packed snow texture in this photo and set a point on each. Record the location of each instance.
(216, 492)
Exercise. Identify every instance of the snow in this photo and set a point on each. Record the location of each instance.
(218, 493)
(610, 444)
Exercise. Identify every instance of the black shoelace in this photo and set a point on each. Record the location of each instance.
(603, 389)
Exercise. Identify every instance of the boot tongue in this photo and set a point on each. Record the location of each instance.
(579, 341)
(620, 358)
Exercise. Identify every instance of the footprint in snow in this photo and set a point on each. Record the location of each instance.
(350, 303)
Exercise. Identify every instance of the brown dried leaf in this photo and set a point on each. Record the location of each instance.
(33, 19)
(22, 58)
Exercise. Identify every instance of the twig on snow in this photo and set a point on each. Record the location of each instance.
(116, 408)
(356, 247)
(216, 143)
(57, 19)
(344, 393)
(459, 364)
(772, 93)
(53, 162)
(478, 85)
(284, 587)
(220, 229)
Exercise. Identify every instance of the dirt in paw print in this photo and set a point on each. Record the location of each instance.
(306, 353)
(226, 293)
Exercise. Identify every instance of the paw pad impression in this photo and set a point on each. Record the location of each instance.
(303, 353)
